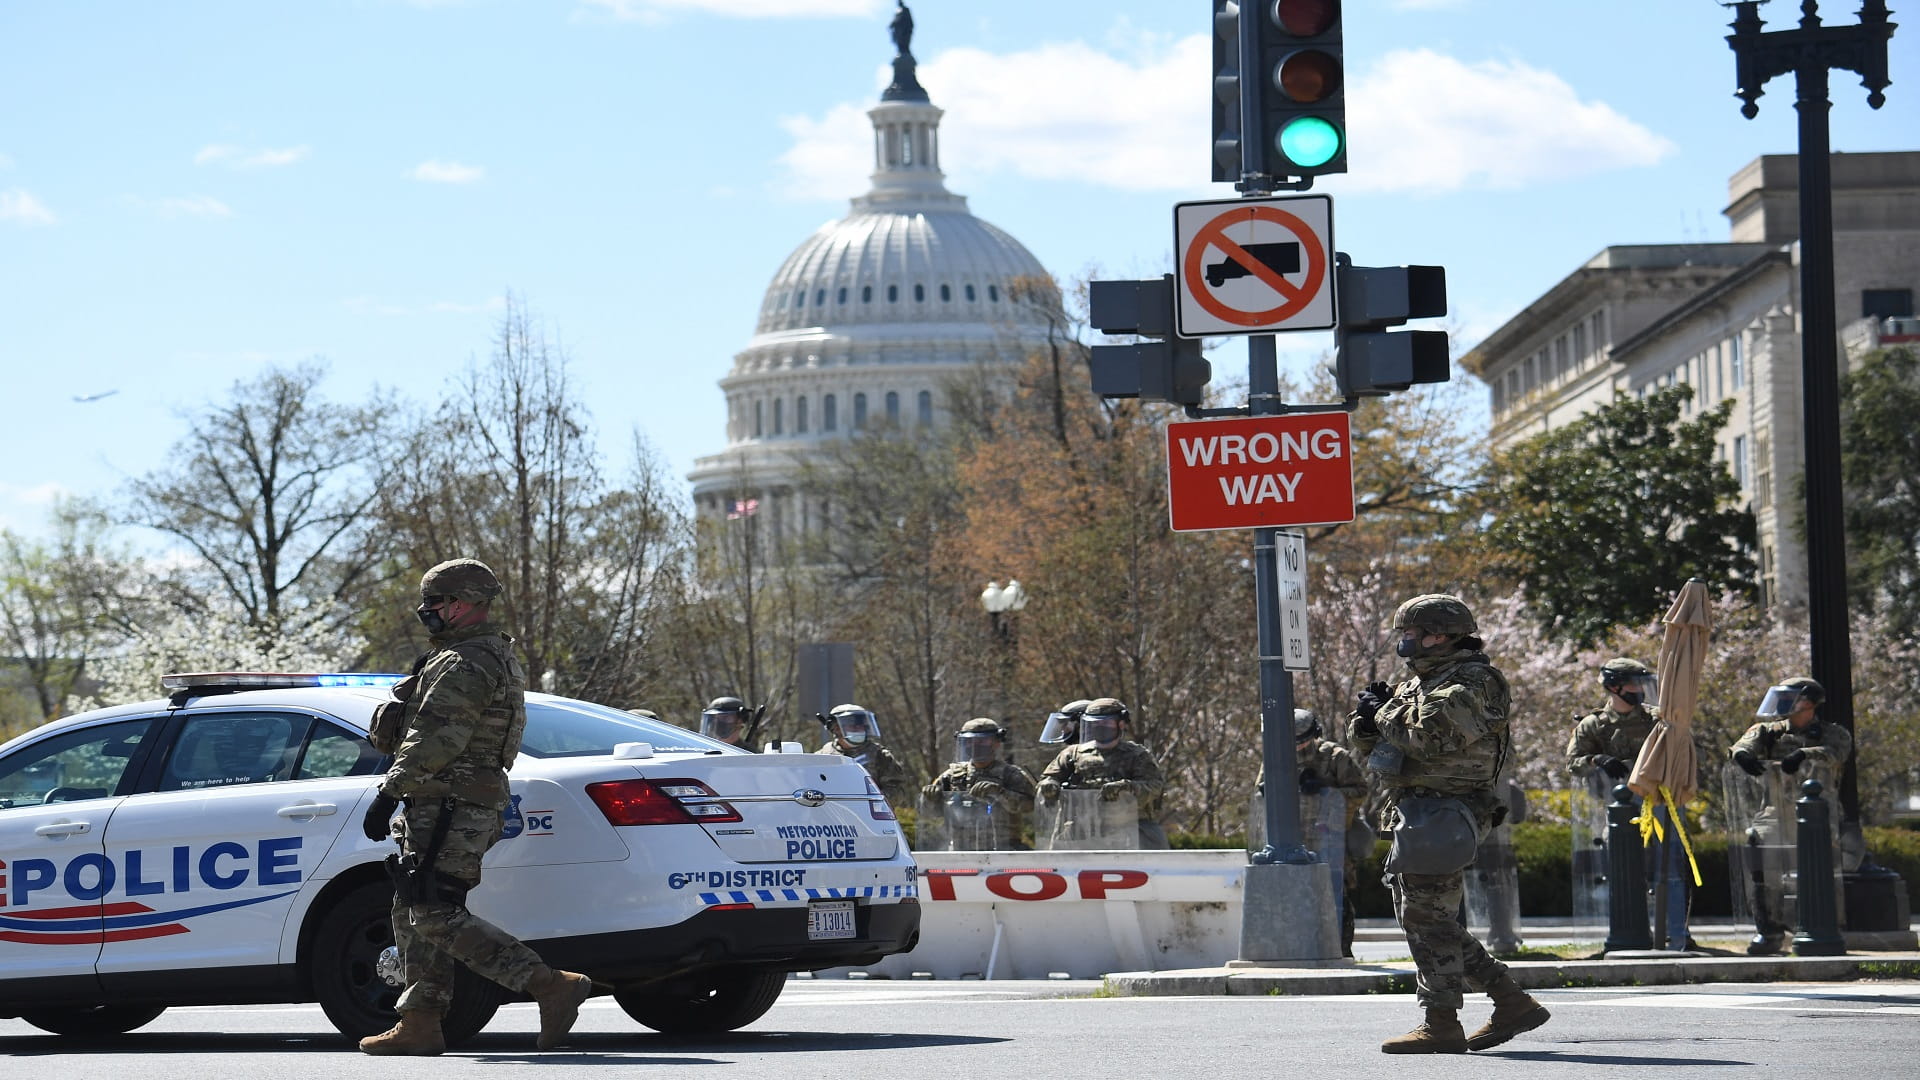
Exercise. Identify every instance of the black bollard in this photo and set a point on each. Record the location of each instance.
(1819, 931)
(1626, 876)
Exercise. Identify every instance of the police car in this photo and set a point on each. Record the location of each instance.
(206, 849)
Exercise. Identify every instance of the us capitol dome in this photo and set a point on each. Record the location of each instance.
(870, 318)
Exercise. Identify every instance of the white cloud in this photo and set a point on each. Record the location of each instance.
(1130, 119)
(19, 206)
(1426, 122)
(201, 206)
(446, 172)
(237, 157)
(654, 11)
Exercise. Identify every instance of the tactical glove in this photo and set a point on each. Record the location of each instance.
(1792, 762)
(1612, 766)
(931, 791)
(984, 789)
(1113, 789)
(1746, 760)
(1049, 789)
(1310, 782)
(379, 820)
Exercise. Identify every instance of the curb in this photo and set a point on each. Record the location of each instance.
(1397, 978)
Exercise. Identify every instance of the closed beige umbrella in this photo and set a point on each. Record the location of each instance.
(1668, 768)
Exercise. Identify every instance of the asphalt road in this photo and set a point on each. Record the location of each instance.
(844, 1028)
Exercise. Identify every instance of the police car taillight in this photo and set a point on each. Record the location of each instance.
(659, 802)
(209, 681)
(878, 803)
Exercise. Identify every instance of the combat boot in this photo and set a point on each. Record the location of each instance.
(560, 995)
(416, 1035)
(1439, 1033)
(1514, 1011)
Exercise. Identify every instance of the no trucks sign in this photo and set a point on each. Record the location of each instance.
(1261, 471)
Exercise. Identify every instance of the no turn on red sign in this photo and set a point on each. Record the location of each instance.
(1254, 266)
(1260, 471)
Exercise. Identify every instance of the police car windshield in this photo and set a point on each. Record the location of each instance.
(559, 727)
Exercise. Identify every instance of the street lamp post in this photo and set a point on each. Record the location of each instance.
(1002, 602)
(1809, 52)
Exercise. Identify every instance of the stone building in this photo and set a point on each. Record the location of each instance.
(1723, 318)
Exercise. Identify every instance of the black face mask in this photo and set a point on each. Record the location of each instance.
(432, 619)
(1632, 697)
(1408, 648)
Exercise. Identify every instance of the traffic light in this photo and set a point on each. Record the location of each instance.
(1369, 361)
(1226, 91)
(1303, 100)
(1170, 369)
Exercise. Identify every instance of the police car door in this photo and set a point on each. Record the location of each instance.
(56, 795)
(244, 805)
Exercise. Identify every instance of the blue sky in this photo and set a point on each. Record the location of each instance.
(191, 191)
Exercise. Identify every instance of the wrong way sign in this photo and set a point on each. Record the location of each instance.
(1260, 471)
(1254, 266)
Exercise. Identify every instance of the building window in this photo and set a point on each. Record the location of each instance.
(893, 294)
(919, 294)
(1762, 474)
(926, 408)
(779, 416)
(1599, 322)
(819, 297)
(1499, 395)
(1736, 363)
(1560, 358)
(799, 298)
(893, 409)
(841, 297)
(829, 413)
(866, 294)
(1513, 385)
(1579, 343)
(993, 293)
(1886, 303)
(1739, 461)
(969, 294)
(800, 415)
(859, 412)
(946, 293)
(759, 414)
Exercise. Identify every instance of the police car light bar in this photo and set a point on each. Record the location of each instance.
(271, 680)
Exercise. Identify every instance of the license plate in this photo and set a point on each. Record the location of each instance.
(830, 921)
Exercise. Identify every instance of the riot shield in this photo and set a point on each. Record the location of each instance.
(1080, 819)
(1493, 891)
(1587, 818)
(955, 821)
(1761, 852)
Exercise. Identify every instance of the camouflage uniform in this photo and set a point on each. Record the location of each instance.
(1606, 733)
(1771, 740)
(1086, 765)
(1015, 798)
(888, 774)
(465, 712)
(1450, 721)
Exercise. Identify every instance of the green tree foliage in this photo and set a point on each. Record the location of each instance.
(1604, 518)
(1880, 461)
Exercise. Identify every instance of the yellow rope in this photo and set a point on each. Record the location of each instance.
(1650, 828)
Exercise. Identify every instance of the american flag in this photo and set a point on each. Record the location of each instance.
(743, 508)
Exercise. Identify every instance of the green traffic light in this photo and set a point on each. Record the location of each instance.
(1309, 141)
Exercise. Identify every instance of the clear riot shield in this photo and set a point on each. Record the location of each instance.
(956, 821)
(1079, 819)
(1493, 891)
(1323, 826)
(1761, 852)
(1587, 818)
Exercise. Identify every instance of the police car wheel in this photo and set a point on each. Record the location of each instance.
(93, 1022)
(346, 977)
(706, 1003)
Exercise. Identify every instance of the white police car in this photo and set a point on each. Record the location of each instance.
(206, 849)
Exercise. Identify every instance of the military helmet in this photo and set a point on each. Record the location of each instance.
(1436, 613)
(726, 704)
(462, 579)
(983, 725)
(1808, 689)
(1306, 724)
(1622, 669)
(1105, 706)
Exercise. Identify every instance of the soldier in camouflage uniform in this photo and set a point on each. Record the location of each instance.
(985, 778)
(1325, 764)
(1112, 764)
(1442, 734)
(453, 729)
(1792, 735)
(855, 733)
